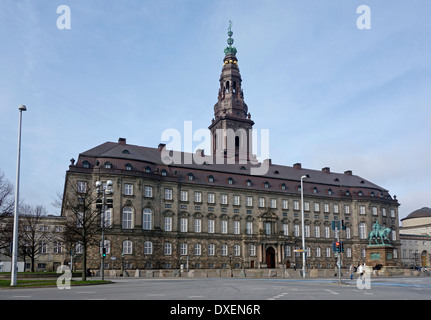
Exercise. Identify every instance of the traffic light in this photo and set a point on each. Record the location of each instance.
(99, 203)
(337, 246)
(109, 203)
(104, 252)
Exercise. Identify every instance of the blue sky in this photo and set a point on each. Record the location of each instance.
(330, 94)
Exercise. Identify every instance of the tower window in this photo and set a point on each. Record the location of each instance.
(236, 142)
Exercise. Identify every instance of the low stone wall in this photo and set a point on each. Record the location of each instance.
(259, 273)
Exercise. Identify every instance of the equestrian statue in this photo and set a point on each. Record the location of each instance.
(379, 232)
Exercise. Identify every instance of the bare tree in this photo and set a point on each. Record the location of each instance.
(34, 233)
(82, 218)
(6, 211)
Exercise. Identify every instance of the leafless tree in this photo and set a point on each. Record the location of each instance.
(6, 211)
(83, 223)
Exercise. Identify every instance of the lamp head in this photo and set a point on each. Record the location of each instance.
(109, 183)
(22, 108)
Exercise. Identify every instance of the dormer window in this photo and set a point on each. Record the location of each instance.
(249, 183)
(147, 169)
(266, 185)
(360, 193)
(283, 186)
(108, 165)
(86, 164)
(347, 193)
(191, 177)
(125, 151)
(211, 179)
(128, 166)
(230, 181)
(330, 191)
(164, 173)
(314, 190)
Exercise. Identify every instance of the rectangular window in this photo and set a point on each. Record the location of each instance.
(236, 227)
(184, 196)
(211, 249)
(168, 194)
(346, 209)
(336, 208)
(211, 197)
(210, 226)
(295, 205)
(198, 196)
(361, 209)
(249, 201)
(252, 250)
(306, 206)
(128, 189)
(168, 223)
(316, 207)
(273, 203)
(148, 191)
(249, 227)
(82, 186)
(236, 250)
(236, 201)
(261, 202)
(285, 229)
(285, 204)
(326, 207)
(296, 230)
(224, 199)
(223, 226)
(374, 210)
(198, 225)
(183, 225)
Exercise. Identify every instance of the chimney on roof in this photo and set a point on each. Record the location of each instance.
(326, 170)
(122, 141)
(297, 166)
(348, 172)
(161, 146)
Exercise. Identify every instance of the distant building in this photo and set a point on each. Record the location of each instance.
(415, 236)
(212, 215)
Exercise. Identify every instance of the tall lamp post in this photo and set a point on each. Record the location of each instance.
(15, 214)
(303, 228)
(103, 206)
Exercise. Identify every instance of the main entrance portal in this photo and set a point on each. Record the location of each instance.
(270, 257)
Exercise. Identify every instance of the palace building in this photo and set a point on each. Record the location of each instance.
(221, 214)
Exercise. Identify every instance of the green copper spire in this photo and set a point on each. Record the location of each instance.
(230, 49)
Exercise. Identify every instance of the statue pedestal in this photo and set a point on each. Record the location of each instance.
(379, 254)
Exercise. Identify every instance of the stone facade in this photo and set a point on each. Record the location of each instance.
(222, 215)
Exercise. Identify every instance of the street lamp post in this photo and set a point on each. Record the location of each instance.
(15, 217)
(108, 191)
(303, 228)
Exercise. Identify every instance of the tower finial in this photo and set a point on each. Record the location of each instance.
(230, 49)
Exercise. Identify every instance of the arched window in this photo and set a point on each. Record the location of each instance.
(108, 165)
(127, 247)
(164, 173)
(146, 219)
(211, 179)
(266, 185)
(283, 186)
(128, 166)
(127, 218)
(148, 247)
(147, 169)
(230, 181)
(249, 183)
(191, 177)
(362, 231)
(86, 164)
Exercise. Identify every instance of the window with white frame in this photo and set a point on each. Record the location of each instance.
(223, 199)
(316, 207)
(198, 196)
(146, 219)
(127, 218)
(307, 230)
(252, 248)
(168, 194)
(273, 203)
(361, 209)
(318, 252)
(236, 200)
(211, 249)
(306, 206)
(362, 231)
(295, 205)
(284, 204)
(224, 251)
(328, 252)
(249, 227)
(183, 249)
(249, 201)
(236, 250)
(211, 226)
(211, 197)
(167, 249)
(285, 229)
(317, 231)
(183, 225)
(223, 226)
(148, 191)
(198, 249)
(261, 202)
(236, 227)
(296, 230)
(198, 223)
(82, 186)
(128, 189)
(374, 211)
(346, 209)
(326, 207)
(336, 208)
(168, 223)
(184, 195)
(127, 247)
(327, 232)
(108, 218)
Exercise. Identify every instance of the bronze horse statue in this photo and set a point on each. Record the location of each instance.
(379, 233)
